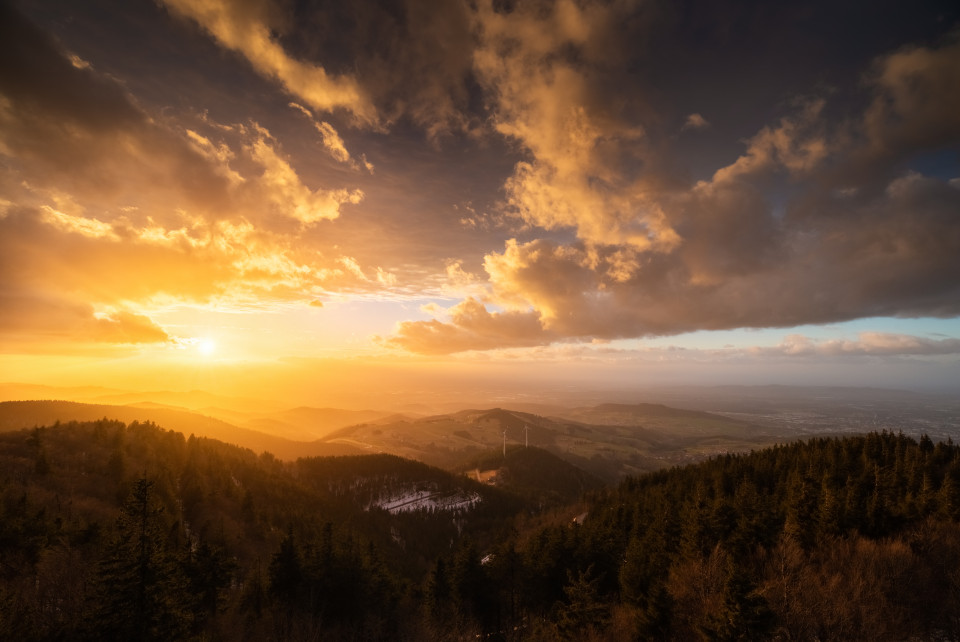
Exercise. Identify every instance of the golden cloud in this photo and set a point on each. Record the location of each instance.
(472, 327)
(245, 27)
(579, 146)
(32, 319)
(285, 191)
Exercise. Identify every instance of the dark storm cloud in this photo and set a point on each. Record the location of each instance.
(820, 219)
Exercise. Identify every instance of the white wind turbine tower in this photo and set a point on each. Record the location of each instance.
(504, 443)
(526, 436)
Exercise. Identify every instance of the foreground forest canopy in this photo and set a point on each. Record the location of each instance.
(128, 531)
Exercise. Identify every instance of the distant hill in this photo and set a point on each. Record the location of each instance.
(608, 441)
(193, 400)
(16, 415)
(10, 391)
(314, 423)
(303, 423)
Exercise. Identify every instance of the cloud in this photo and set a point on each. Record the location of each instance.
(333, 142)
(796, 144)
(868, 344)
(286, 191)
(331, 139)
(68, 127)
(549, 70)
(604, 228)
(413, 57)
(110, 207)
(245, 27)
(473, 327)
(917, 101)
(30, 318)
(730, 251)
(890, 255)
(695, 121)
(126, 327)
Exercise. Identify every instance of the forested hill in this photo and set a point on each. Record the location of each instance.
(111, 531)
(114, 531)
(15, 415)
(854, 538)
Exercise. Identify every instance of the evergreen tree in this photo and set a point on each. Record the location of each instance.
(745, 614)
(209, 572)
(948, 498)
(140, 589)
(582, 610)
(438, 592)
(470, 588)
(829, 519)
(286, 571)
(802, 510)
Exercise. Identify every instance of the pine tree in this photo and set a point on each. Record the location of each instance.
(829, 519)
(745, 614)
(948, 499)
(469, 583)
(209, 571)
(582, 609)
(635, 577)
(140, 589)
(286, 571)
(802, 510)
(438, 592)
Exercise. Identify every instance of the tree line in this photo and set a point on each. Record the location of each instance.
(116, 531)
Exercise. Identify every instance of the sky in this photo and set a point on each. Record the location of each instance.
(330, 201)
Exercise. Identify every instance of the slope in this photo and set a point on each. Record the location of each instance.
(634, 439)
(16, 415)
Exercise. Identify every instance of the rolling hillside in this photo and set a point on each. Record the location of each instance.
(608, 441)
(16, 415)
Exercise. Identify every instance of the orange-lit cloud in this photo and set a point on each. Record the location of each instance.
(113, 207)
(579, 145)
(246, 27)
(33, 321)
(331, 139)
(472, 327)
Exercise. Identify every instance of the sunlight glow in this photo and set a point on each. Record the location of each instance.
(207, 347)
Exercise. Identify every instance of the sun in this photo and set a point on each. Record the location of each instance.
(207, 347)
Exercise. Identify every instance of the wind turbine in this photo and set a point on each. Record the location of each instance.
(504, 443)
(526, 436)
